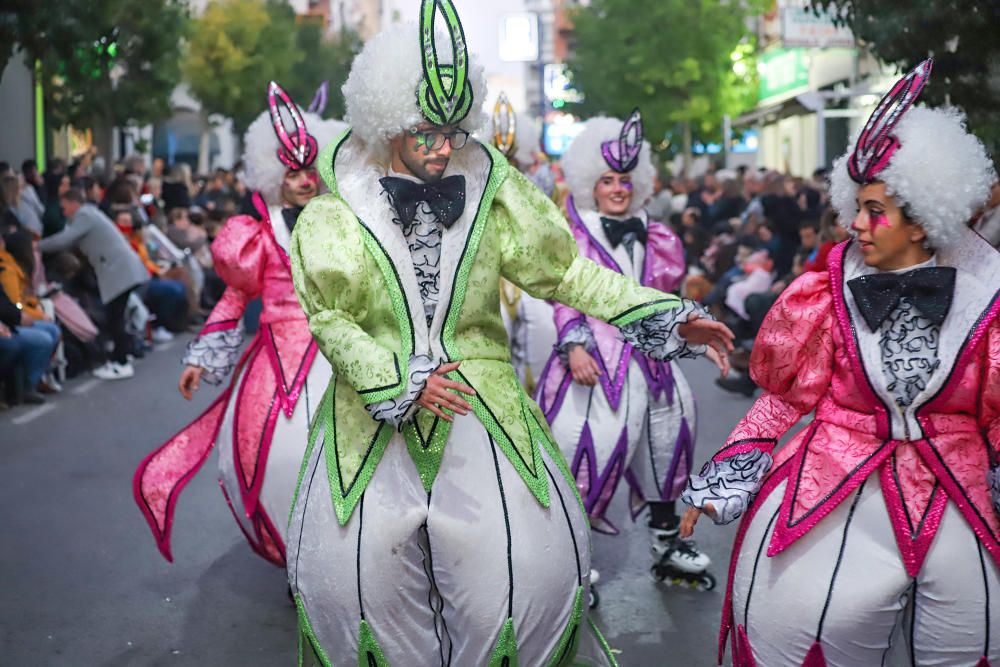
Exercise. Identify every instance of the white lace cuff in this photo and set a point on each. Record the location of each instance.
(730, 485)
(578, 335)
(400, 409)
(993, 480)
(216, 352)
(657, 337)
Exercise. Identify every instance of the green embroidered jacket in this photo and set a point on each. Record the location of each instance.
(354, 276)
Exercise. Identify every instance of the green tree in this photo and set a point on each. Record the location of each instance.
(236, 48)
(104, 63)
(323, 59)
(685, 63)
(960, 34)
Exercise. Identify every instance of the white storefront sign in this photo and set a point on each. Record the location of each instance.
(800, 27)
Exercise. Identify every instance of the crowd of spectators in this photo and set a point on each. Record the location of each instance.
(747, 234)
(99, 266)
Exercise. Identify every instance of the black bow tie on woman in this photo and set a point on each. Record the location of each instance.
(445, 197)
(929, 289)
(617, 229)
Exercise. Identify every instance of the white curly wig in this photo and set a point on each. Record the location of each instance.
(527, 137)
(264, 172)
(583, 164)
(940, 174)
(381, 90)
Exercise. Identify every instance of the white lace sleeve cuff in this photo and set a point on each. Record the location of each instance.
(400, 409)
(657, 337)
(216, 352)
(993, 479)
(730, 485)
(578, 335)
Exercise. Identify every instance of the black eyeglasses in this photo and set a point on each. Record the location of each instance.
(434, 139)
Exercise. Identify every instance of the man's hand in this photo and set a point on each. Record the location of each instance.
(702, 331)
(190, 381)
(583, 366)
(441, 394)
(691, 517)
(26, 319)
(720, 360)
(5, 331)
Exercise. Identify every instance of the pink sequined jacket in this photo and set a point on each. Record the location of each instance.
(816, 353)
(275, 364)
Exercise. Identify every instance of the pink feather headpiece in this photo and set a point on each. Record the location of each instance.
(298, 148)
(877, 143)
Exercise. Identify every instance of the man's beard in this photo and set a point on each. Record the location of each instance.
(419, 169)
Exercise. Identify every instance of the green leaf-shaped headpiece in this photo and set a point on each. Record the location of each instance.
(444, 93)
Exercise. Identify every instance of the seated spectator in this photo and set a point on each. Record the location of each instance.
(118, 269)
(766, 240)
(192, 236)
(56, 185)
(177, 188)
(92, 188)
(756, 279)
(730, 203)
(188, 236)
(33, 335)
(782, 210)
(11, 217)
(705, 193)
(166, 298)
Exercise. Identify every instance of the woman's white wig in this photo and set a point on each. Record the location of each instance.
(263, 171)
(940, 174)
(583, 164)
(381, 90)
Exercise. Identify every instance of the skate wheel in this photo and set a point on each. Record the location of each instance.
(595, 599)
(706, 582)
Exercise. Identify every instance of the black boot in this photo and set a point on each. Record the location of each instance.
(737, 384)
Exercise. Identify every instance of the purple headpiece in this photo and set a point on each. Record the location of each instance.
(298, 148)
(622, 154)
(318, 105)
(877, 143)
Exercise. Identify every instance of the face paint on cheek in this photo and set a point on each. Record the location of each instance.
(880, 219)
(312, 178)
(422, 142)
(627, 186)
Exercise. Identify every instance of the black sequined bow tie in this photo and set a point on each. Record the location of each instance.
(291, 215)
(930, 289)
(617, 229)
(445, 197)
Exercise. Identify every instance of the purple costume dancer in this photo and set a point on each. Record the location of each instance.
(637, 422)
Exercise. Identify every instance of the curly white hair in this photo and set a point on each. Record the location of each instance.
(263, 171)
(381, 89)
(583, 164)
(941, 174)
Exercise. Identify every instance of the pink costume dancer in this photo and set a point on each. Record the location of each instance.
(261, 421)
(873, 537)
(638, 422)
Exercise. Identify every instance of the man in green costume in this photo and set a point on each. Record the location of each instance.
(435, 520)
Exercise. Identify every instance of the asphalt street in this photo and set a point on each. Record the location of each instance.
(83, 584)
